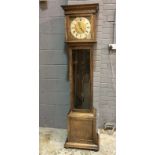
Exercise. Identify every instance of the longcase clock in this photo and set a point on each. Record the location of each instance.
(80, 38)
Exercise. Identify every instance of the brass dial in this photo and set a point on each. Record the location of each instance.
(80, 28)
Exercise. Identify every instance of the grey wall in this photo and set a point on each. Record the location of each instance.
(54, 85)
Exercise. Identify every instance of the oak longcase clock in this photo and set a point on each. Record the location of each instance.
(80, 38)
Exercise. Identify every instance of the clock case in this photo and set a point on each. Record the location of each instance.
(81, 131)
(86, 10)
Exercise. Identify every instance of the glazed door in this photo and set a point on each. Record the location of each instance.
(81, 79)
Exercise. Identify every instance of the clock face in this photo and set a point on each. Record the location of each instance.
(80, 28)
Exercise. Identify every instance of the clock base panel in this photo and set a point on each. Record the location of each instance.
(82, 130)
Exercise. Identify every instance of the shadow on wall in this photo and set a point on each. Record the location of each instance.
(43, 5)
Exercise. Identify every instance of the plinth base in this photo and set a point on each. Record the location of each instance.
(87, 146)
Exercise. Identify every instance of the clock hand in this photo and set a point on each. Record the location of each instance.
(81, 29)
(80, 26)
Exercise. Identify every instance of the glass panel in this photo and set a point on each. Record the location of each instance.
(81, 79)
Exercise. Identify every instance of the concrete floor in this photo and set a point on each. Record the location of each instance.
(52, 143)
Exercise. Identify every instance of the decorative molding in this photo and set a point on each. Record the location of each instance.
(81, 8)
